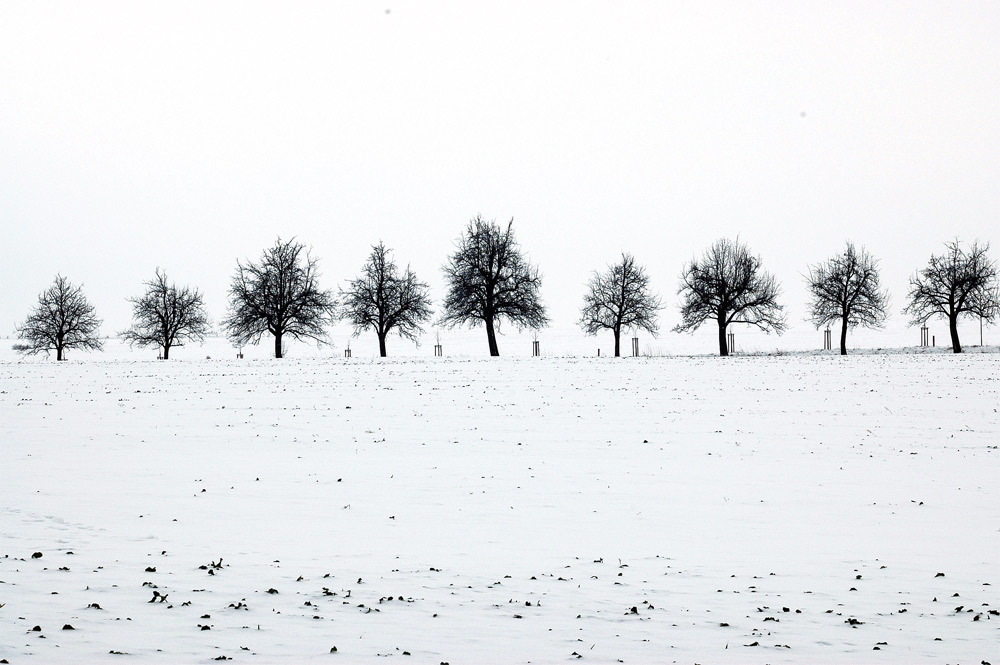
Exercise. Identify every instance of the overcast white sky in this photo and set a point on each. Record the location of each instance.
(187, 134)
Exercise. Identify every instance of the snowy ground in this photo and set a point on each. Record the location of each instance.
(741, 510)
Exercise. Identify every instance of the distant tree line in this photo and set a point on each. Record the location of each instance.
(490, 281)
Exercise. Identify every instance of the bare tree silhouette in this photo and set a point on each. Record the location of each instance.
(166, 316)
(620, 299)
(729, 285)
(846, 287)
(956, 283)
(490, 280)
(63, 319)
(383, 299)
(279, 295)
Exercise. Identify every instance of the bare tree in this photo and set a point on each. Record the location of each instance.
(620, 299)
(728, 285)
(490, 280)
(955, 283)
(279, 295)
(383, 299)
(63, 319)
(846, 287)
(166, 316)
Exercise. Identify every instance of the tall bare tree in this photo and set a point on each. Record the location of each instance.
(490, 280)
(166, 316)
(383, 299)
(63, 319)
(846, 288)
(620, 299)
(729, 285)
(954, 284)
(279, 295)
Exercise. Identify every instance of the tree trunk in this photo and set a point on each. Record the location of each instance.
(59, 354)
(277, 345)
(723, 344)
(618, 337)
(953, 327)
(381, 344)
(166, 351)
(843, 337)
(491, 335)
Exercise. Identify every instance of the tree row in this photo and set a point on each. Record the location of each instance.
(490, 281)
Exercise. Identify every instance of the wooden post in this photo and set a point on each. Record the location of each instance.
(635, 347)
(535, 351)
(598, 353)
(924, 335)
(732, 343)
(347, 352)
(438, 351)
(827, 340)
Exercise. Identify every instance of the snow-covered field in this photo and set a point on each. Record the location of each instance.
(744, 510)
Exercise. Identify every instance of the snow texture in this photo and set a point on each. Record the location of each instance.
(771, 509)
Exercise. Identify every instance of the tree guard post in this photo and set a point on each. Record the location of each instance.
(924, 335)
(635, 347)
(535, 351)
(731, 338)
(827, 340)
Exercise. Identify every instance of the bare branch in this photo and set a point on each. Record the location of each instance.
(279, 295)
(954, 284)
(489, 280)
(846, 288)
(381, 299)
(620, 299)
(63, 319)
(166, 316)
(729, 285)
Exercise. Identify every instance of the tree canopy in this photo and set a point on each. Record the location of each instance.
(279, 295)
(63, 319)
(620, 299)
(383, 299)
(489, 281)
(956, 283)
(729, 285)
(846, 288)
(167, 316)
